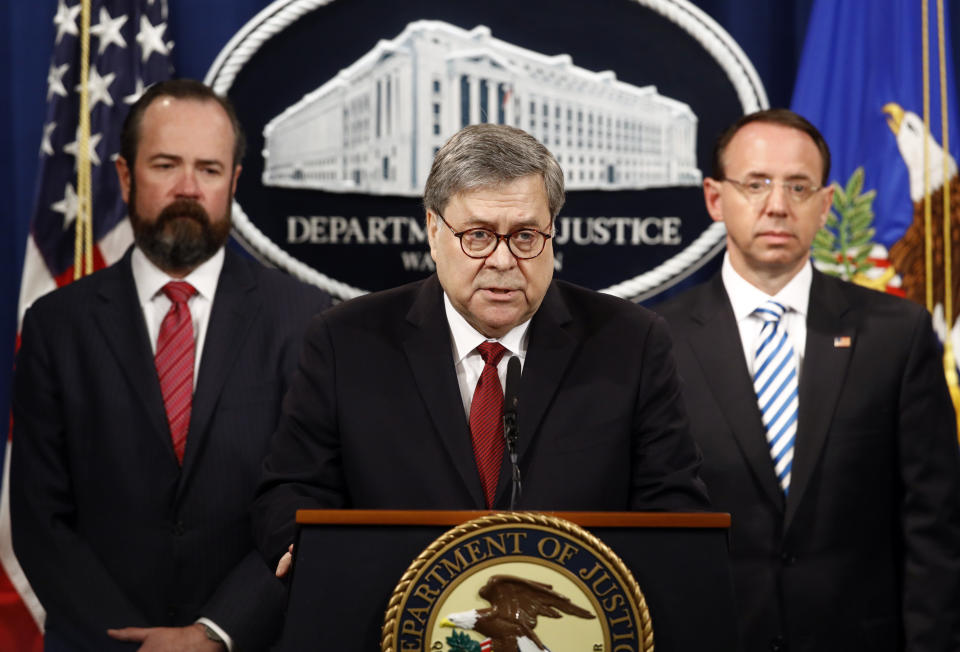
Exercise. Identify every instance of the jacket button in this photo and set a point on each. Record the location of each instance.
(178, 529)
(778, 644)
(788, 559)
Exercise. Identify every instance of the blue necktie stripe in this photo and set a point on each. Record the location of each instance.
(776, 372)
(771, 355)
(775, 382)
(775, 440)
(779, 394)
(763, 344)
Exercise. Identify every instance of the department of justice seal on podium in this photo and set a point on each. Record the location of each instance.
(517, 582)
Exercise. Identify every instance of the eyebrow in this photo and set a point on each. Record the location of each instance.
(477, 223)
(797, 176)
(175, 157)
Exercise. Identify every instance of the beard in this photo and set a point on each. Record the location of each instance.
(181, 237)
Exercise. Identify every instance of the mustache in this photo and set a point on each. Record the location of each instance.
(188, 208)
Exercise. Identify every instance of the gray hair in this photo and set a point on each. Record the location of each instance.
(484, 155)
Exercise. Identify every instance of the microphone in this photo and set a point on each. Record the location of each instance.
(511, 430)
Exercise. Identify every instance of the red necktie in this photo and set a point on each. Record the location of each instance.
(174, 361)
(486, 420)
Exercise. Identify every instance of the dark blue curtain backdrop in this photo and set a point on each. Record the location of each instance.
(770, 32)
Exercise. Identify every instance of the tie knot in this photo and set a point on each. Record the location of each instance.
(491, 352)
(770, 311)
(179, 291)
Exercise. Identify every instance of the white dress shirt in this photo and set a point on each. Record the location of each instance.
(150, 280)
(468, 362)
(745, 298)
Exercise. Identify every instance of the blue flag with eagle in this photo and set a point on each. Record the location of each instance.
(861, 82)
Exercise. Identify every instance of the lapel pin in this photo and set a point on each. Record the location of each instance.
(842, 342)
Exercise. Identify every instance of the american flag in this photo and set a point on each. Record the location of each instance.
(129, 49)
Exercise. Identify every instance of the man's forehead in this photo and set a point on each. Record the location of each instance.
(758, 147)
(528, 187)
(194, 114)
(170, 121)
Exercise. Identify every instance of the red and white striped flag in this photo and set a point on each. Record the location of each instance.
(79, 220)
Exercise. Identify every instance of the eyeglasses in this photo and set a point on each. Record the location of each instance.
(757, 189)
(480, 243)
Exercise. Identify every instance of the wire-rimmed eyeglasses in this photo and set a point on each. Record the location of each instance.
(759, 188)
(480, 242)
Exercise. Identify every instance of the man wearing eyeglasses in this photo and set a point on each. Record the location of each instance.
(823, 417)
(398, 396)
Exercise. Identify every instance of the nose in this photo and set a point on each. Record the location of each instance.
(501, 257)
(777, 199)
(187, 184)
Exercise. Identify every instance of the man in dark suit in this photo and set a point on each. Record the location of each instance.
(144, 399)
(389, 409)
(823, 416)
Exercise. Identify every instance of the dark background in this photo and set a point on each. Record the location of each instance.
(770, 32)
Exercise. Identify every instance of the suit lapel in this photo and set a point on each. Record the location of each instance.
(428, 350)
(551, 347)
(120, 319)
(715, 340)
(235, 306)
(824, 370)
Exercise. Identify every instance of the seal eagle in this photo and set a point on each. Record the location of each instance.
(515, 605)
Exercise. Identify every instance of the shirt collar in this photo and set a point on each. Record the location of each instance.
(466, 338)
(745, 297)
(150, 279)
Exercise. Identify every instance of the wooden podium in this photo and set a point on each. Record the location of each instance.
(349, 561)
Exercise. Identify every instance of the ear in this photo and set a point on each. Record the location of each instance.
(433, 224)
(712, 199)
(827, 204)
(123, 175)
(236, 175)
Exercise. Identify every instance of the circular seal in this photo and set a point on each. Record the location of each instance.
(345, 103)
(517, 581)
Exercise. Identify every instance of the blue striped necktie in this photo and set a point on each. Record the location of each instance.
(775, 381)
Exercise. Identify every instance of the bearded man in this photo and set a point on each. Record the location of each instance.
(144, 399)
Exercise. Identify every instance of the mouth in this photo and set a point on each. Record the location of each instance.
(777, 236)
(500, 293)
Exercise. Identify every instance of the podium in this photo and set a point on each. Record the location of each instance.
(349, 561)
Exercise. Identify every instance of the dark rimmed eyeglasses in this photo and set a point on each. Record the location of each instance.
(480, 243)
(759, 188)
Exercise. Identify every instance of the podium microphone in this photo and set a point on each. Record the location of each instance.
(511, 430)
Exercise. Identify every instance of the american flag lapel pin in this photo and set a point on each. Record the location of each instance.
(842, 342)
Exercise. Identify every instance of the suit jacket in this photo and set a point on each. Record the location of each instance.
(108, 527)
(374, 417)
(864, 553)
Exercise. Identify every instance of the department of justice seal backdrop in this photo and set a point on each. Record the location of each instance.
(517, 581)
(345, 103)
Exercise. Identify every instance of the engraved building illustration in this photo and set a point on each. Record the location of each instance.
(375, 127)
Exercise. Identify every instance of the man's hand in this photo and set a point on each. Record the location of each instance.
(167, 639)
(283, 566)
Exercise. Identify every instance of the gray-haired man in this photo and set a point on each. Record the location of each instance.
(383, 410)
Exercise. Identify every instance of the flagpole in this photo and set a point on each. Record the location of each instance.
(949, 360)
(83, 240)
(927, 208)
(945, 131)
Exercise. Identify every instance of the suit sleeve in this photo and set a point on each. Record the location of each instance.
(303, 469)
(666, 461)
(249, 603)
(930, 508)
(66, 574)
